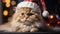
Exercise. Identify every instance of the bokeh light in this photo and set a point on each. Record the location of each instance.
(7, 5)
(7, 1)
(5, 12)
(58, 22)
(48, 24)
(51, 16)
(13, 2)
(3, 1)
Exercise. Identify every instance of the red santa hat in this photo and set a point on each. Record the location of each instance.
(34, 6)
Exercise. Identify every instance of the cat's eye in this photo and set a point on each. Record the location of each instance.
(30, 14)
(22, 13)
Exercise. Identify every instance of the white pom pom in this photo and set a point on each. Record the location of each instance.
(45, 13)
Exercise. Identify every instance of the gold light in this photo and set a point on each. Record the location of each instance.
(7, 1)
(7, 5)
(51, 16)
(5, 13)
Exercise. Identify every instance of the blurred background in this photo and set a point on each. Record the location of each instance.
(7, 9)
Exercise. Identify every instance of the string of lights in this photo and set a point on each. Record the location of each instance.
(7, 8)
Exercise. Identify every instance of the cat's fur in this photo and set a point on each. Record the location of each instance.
(25, 20)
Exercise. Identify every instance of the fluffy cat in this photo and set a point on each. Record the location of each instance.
(25, 20)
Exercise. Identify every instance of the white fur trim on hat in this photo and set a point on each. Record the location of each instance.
(32, 5)
(45, 13)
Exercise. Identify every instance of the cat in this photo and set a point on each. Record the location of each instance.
(25, 20)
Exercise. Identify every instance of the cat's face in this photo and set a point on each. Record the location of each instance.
(27, 16)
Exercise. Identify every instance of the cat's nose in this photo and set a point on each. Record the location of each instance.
(26, 16)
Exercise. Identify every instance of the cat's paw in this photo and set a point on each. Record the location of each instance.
(34, 30)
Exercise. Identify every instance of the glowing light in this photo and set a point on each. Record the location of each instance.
(3, 1)
(58, 22)
(7, 1)
(13, 2)
(5, 13)
(48, 24)
(7, 5)
(51, 16)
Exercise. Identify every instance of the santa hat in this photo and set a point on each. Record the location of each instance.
(34, 6)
